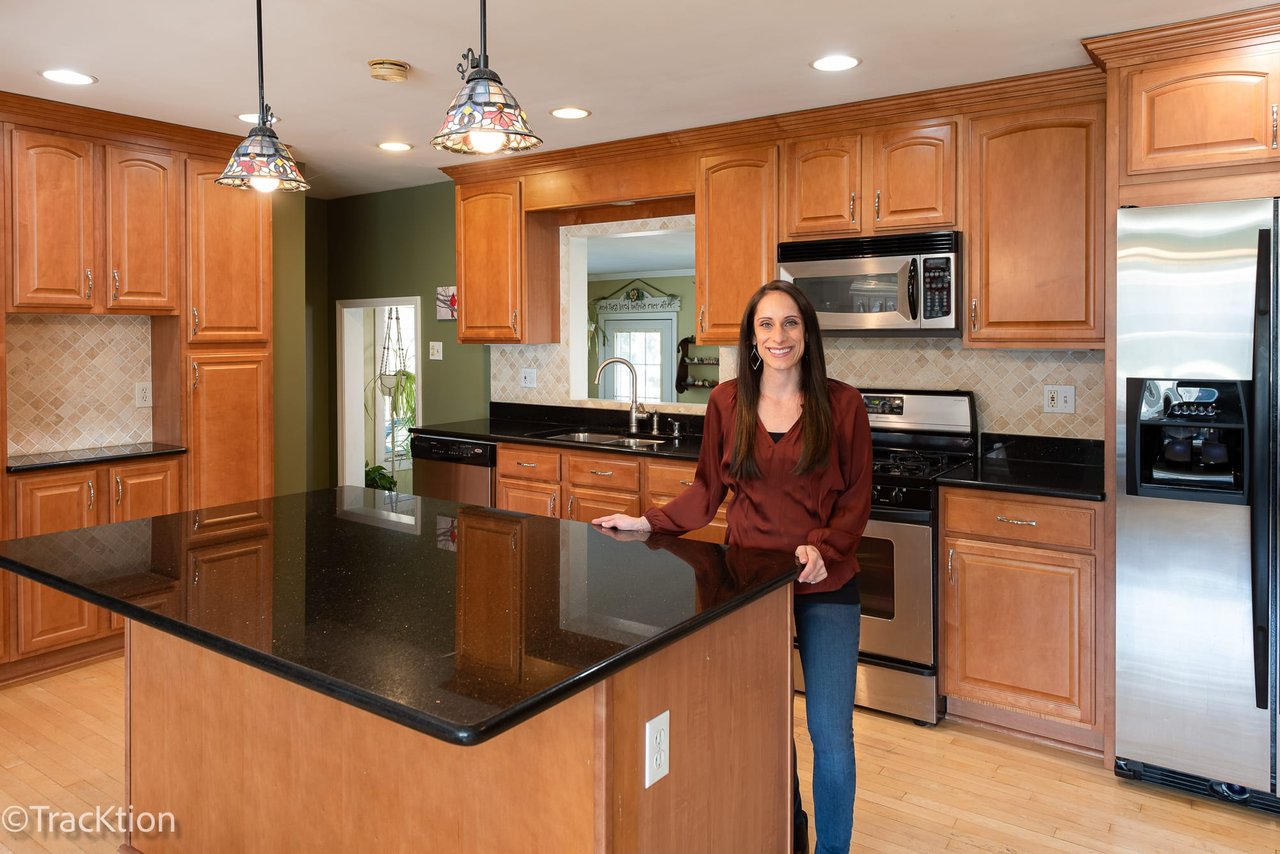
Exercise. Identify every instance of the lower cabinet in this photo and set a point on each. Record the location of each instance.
(229, 589)
(1020, 612)
(665, 479)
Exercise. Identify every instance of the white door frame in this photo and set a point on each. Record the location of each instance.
(350, 373)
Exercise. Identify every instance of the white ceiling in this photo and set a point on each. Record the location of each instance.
(642, 67)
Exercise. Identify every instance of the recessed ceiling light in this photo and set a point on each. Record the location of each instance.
(394, 146)
(66, 75)
(835, 62)
(570, 113)
(252, 118)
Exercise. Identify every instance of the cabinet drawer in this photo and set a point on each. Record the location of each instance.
(528, 463)
(603, 471)
(670, 478)
(1023, 519)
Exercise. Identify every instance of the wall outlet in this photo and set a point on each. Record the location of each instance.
(1060, 398)
(528, 378)
(142, 395)
(435, 350)
(657, 748)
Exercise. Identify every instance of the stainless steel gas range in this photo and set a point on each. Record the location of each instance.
(916, 435)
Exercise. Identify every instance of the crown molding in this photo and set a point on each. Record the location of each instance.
(1232, 30)
(1083, 83)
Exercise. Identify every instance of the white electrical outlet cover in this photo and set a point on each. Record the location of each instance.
(657, 748)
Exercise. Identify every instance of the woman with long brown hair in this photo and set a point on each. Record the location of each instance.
(795, 449)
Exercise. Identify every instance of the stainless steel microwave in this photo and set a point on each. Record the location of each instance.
(897, 285)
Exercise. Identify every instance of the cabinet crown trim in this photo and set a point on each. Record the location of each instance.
(1234, 29)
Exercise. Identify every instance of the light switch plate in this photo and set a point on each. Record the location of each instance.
(1060, 399)
(435, 350)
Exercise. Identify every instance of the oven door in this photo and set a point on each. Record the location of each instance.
(896, 585)
(860, 293)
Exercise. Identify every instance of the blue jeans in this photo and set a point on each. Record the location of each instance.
(828, 638)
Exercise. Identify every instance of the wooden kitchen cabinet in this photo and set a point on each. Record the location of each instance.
(489, 595)
(228, 259)
(1019, 582)
(735, 235)
(96, 225)
(1035, 229)
(143, 489)
(229, 588)
(1202, 111)
(230, 402)
(665, 479)
(885, 180)
(528, 480)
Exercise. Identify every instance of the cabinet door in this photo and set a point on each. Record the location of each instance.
(489, 257)
(144, 241)
(142, 490)
(913, 177)
(1018, 628)
(1036, 228)
(47, 504)
(55, 249)
(231, 455)
(736, 236)
(583, 504)
(820, 186)
(229, 590)
(529, 496)
(229, 259)
(1203, 113)
(490, 596)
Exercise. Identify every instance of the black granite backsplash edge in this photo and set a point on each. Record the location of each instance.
(1086, 452)
(588, 416)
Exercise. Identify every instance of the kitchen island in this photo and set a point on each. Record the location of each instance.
(355, 670)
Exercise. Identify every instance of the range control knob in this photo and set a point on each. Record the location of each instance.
(898, 495)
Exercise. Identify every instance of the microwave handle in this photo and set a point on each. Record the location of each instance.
(913, 289)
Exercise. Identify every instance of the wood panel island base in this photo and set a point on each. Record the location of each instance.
(375, 690)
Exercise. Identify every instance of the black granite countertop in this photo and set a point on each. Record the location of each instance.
(361, 595)
(89, 456)
(1034, 465)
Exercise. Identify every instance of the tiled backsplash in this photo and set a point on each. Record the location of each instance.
(71, 381)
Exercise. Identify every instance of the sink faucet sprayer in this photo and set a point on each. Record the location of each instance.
(636, 408)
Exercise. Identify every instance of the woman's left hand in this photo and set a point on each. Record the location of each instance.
(814, 568)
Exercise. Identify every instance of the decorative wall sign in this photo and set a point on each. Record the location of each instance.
(447, 303)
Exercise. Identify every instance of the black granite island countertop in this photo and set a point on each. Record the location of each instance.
(393, 603)
(1034, 465)
(89, 456)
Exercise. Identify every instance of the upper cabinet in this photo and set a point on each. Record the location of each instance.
(1034, 236)
(95, 226)
(229, 260)
(893, 179)
(488, 263)
(735, 234)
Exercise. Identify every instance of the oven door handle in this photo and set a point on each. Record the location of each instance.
(889, 514)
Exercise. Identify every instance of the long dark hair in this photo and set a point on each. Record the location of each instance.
(816, 412)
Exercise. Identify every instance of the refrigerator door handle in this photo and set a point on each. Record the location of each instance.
(1262, 473)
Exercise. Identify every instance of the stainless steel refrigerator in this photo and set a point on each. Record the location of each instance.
(1196, 504)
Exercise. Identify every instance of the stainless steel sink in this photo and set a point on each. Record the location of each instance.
(588, 438)
(628, 442)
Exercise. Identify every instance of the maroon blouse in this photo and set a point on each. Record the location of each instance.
(827, 507)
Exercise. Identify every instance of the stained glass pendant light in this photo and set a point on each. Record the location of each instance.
(484, 118)
(261, 161)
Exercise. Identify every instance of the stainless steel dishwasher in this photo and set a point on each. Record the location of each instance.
(462, 470)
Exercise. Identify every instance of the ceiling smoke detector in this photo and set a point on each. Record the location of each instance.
(391, 70)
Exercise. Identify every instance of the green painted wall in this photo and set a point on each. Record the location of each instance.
(322, 449)
(396, 244)
(289, 341)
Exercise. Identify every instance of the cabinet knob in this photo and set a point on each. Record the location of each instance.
(88, 291)
(115, 285)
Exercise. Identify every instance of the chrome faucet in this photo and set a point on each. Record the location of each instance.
(636, 408)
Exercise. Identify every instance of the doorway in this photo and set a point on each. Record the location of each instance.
(379, 396)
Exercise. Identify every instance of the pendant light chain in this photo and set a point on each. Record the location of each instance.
(263, 119)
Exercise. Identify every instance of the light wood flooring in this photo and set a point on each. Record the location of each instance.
(949, 788)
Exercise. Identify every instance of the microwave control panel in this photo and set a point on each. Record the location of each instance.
(937, 288)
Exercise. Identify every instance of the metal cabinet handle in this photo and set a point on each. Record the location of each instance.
(527, 465)
(196, 381)
(571, 506)
(853, 199)
(115, 278)
(88, 293)
(702, 310)
(119, 489)
(195, 315)
(877, 205)
(686, 483)
(195, 523)
(195, 576)
(1007, 520)
(91, 495)
(950, 554)
(973, 315)
(514, 315)
(553, 505)
(513, 541)
(1273, 124)
(601, 473)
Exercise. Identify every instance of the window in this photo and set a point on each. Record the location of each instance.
(642, 342)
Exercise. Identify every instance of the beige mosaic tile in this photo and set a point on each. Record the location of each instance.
(71, 381)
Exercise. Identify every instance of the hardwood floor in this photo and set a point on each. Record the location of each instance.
(950, 788)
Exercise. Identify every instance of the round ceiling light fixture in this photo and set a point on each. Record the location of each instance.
(570, 113)
(836, 62)
(67, 76)
(395, 146)
(390, 70)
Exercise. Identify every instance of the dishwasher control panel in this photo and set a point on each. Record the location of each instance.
(454, 451)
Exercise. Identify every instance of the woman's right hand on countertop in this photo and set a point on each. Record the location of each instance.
(623, 522)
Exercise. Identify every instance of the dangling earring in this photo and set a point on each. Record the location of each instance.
(755, 361)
